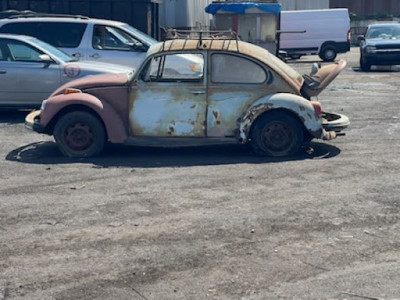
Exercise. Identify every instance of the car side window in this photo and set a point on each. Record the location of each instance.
(175, 68)
(228, 68)
(22, 52)
(112, 38)
(58, 34)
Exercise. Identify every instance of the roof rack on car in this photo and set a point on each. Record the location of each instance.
(41, 15)
(227, 37)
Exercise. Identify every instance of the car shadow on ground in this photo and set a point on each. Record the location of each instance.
(379, 69)
(145, 157)
(13, 116)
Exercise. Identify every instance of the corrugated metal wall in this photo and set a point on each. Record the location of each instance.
(304, 4)
(184, 13)
(363, 8)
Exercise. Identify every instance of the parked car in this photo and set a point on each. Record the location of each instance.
(30, 70)
(325, 32)
(84, 38)
(240, 94)
(88, 39)
(380, 45)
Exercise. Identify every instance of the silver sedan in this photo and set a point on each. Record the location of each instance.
(30, 70)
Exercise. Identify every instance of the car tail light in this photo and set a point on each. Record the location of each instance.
(317, 107)
(349, 35)
(71, 91)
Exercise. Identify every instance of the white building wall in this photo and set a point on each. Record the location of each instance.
(304, 4)
(184, 13)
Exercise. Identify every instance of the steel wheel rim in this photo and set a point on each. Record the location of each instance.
(277, 136)
(329, 54)
(79, 137)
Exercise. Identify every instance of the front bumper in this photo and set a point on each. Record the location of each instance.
(333, 124)
(32, 122)
(382, 57)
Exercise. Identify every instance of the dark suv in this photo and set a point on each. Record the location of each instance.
(380, 45)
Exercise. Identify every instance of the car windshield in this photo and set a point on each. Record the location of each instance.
(384, 32)
(54, 51)
(148, 40)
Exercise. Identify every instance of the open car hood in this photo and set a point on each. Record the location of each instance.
(320, 78)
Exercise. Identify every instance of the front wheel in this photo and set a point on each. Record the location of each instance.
(328, 53)
(277, 134)
(364, 65)
(79, 134)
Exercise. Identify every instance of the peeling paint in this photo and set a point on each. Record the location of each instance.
(167, 109)
(289, 102)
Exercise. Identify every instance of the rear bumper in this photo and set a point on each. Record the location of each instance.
(342, 47)
(32, 122)
(334, 122)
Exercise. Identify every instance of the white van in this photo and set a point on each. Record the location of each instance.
(325, 32)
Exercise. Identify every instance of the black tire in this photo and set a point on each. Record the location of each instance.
(364, 66)
(295, 56)
(328, 53)
(277, 134)
(79, 134)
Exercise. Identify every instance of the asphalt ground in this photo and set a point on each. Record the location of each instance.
(210, 222)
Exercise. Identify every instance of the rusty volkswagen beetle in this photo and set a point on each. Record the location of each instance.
(229, 92)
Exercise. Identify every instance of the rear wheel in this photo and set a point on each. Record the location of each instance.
(79, 134)
(328, 53)
(277, 134)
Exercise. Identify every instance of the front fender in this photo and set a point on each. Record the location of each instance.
(115, 128)
(293, 103)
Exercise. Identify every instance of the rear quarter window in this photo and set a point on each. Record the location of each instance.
(227, 68)
(58, 34)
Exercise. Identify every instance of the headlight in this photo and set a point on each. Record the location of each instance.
(42, 107)
(370, 49)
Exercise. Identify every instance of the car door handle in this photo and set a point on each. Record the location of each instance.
(95, 55)
(3, 71)
(77, 55)
(198, 92)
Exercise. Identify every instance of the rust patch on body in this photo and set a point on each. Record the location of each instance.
(249, 118)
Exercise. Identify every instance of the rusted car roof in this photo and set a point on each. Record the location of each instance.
(248, 49)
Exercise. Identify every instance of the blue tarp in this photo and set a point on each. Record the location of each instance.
(240, 7)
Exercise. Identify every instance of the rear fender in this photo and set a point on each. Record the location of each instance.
(116, 131)
(297, 105)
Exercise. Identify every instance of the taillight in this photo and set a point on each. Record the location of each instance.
(349, 35)
(317, 107)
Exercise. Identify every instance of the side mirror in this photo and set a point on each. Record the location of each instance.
(137, 46)
(361, 38)
(47, 60)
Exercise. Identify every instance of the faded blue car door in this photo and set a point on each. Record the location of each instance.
(169, 99)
